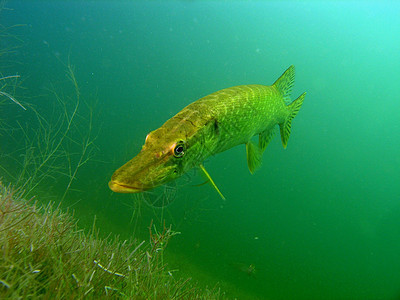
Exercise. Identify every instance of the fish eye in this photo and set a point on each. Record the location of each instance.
(179, 149)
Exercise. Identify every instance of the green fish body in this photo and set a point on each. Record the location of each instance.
(210, 125)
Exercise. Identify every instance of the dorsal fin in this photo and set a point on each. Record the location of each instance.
(285, 83)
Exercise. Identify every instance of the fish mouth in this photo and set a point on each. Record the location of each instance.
(121, 188)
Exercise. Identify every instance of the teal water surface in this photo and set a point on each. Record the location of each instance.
(319, 220)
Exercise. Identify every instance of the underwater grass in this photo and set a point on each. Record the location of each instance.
(7, 95)
(13, 41)
(50, 148)
(45, 255)
(8, 84)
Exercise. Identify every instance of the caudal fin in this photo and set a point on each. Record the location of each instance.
(285, 127)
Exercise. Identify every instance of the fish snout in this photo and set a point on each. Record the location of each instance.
(144, 172)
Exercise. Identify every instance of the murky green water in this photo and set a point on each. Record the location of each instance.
(319, 220)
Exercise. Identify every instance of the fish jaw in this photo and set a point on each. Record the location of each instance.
(120, 188)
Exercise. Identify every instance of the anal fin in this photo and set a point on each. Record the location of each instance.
(285, 127)
(211, 181)
(264, 138)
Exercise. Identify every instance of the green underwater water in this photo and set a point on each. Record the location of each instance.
(319, 220)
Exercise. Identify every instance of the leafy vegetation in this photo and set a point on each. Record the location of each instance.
(46, 255)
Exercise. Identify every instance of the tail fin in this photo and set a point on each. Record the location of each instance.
(293, 108)
(284, 84)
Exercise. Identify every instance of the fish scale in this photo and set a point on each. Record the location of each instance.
(210, 125)
(241, 112)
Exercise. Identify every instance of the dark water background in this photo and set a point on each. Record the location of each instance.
(319, 220)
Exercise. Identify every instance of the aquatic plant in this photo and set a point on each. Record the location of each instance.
(55, 146)
(46, 147)
(11, 42)
(7, 95)
(46, 255)
(8, 84)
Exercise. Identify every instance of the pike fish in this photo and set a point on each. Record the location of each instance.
(208, 126)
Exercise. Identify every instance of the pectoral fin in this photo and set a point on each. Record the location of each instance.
(254, 155)
(211, 181)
